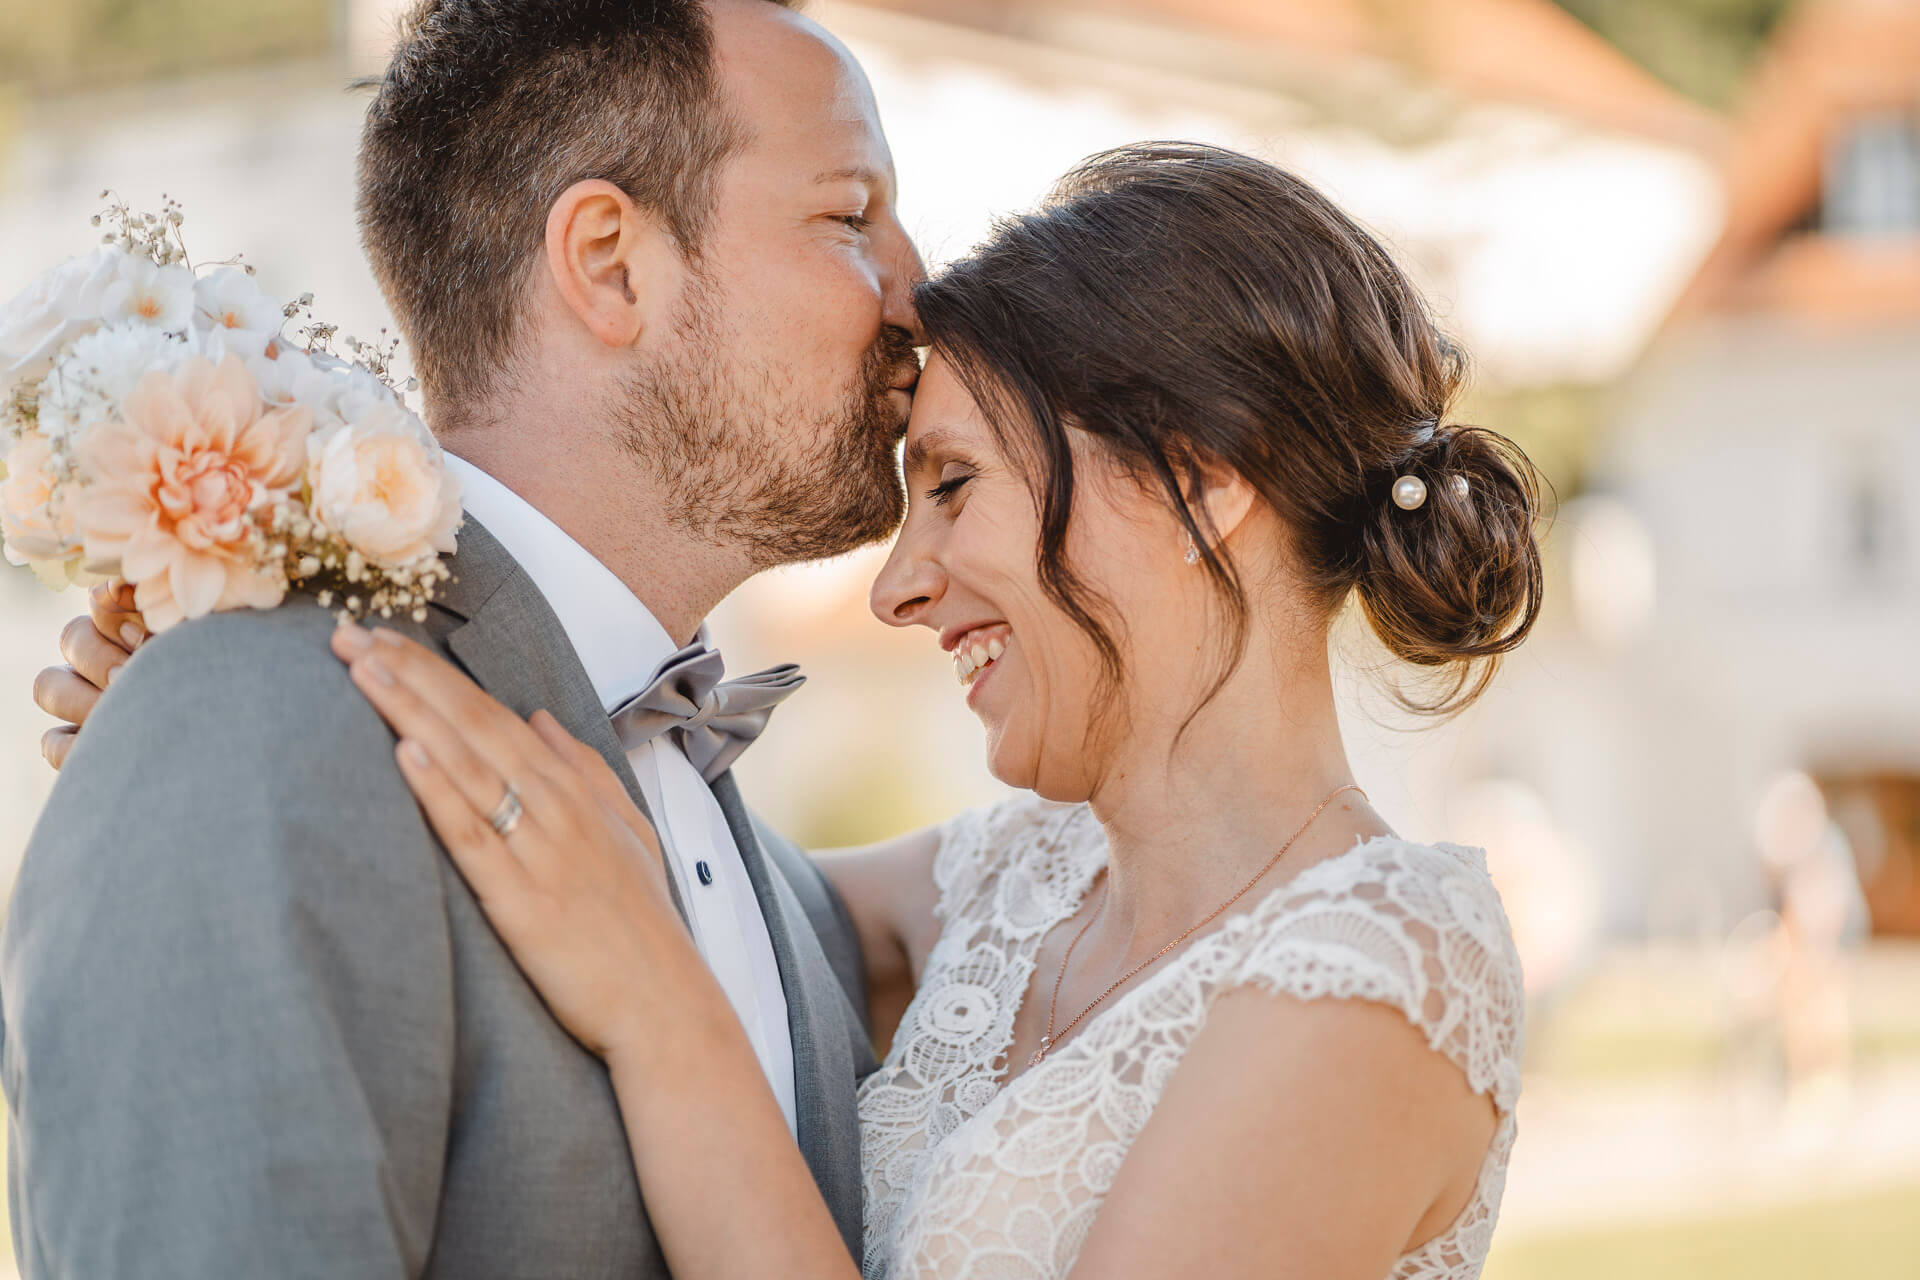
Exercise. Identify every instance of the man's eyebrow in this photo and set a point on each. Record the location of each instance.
(856, 173)
(924, 446)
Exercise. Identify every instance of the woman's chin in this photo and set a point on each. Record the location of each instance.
(1008, 762)
(1017, 765)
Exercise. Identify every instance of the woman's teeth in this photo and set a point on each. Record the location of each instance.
(974, 656)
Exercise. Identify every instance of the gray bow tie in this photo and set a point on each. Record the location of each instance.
(712, 720)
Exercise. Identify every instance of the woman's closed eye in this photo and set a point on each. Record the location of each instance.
(951, 482)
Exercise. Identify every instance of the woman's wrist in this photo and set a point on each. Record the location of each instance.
(684, 1019)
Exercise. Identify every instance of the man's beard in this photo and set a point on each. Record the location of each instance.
(728, 446)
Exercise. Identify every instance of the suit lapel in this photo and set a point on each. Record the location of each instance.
(508, 639)
(824, 1070)
(513, 645)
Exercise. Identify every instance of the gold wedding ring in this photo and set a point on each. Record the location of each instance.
(507, 814)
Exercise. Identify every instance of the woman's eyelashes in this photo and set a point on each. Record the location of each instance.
(943, 493)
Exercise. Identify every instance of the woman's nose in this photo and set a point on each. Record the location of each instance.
(909, 585)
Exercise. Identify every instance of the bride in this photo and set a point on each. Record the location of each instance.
(1185, 1005)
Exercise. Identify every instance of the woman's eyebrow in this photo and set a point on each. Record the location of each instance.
(924, 446)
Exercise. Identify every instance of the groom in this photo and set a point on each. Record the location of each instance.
(647, 262)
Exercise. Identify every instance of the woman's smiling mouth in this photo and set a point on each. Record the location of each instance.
(979, 649)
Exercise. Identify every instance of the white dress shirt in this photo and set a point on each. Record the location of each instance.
(621, 645)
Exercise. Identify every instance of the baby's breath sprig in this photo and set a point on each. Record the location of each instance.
(318, 560)
(377, 359)
(154, 235)
(21, 413)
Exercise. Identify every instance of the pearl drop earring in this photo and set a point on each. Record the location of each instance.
(1193, 551)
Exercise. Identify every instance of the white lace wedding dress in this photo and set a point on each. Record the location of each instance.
(967, 1180)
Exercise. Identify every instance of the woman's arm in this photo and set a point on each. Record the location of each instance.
(576, 886)
(890, 893)
(1297, 1140)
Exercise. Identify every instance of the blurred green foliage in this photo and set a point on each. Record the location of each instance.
(51, 45)
(1703, 48)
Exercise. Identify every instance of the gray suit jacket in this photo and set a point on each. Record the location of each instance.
(255, 1024)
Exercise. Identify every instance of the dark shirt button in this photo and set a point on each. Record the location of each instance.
(704, 872)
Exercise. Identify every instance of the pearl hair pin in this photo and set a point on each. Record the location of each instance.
(1410, 492)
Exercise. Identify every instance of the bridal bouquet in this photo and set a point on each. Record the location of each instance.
(158, 426)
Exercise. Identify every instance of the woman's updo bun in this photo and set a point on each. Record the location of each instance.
(1454, 582)
(1186, 304)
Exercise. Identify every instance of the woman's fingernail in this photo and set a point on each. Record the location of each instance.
(131, 634)
(416, 754)
(353, 637)
(378, 670)
(113, 673)
(389, 638)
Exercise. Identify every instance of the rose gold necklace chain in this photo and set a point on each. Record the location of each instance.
(1051, 1038)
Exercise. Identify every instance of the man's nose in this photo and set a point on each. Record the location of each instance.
(905, 270)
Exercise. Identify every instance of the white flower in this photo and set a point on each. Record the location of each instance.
(362, 395)
(230, 303)
(293, 378)
(56, 308)
(147, 293)
(380, 484)
(93, 377)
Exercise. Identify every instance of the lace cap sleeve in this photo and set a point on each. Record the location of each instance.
(1417, 927)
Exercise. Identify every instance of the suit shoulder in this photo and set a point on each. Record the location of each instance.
(260, 679)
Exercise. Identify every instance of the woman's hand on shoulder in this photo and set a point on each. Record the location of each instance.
(95, 647)
(567, 869)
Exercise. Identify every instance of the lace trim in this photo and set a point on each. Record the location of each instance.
(965, 1177)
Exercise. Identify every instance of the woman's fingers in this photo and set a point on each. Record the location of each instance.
(496, 732)
(598, 775)
(481, 783)
(477, 743)
(64, 695)
(91, 654)
(56, 743)
(489, 866)
(111, 606)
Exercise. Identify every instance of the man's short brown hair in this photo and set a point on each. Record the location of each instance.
(489, 110)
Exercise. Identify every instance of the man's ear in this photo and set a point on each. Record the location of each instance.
(612, 263)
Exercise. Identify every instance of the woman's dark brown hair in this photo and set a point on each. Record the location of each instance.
(1187, 305)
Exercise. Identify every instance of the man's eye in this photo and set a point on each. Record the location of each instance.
(942, 493)
(858, 221)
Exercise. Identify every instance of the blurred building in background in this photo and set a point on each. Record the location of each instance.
(1763, 461)
(1699, 783)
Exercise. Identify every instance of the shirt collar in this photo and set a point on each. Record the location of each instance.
(619, 641)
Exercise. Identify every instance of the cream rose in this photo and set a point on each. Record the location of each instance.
(379, 484)
(59, 306)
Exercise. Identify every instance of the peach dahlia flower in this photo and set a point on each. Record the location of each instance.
(173, 487)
